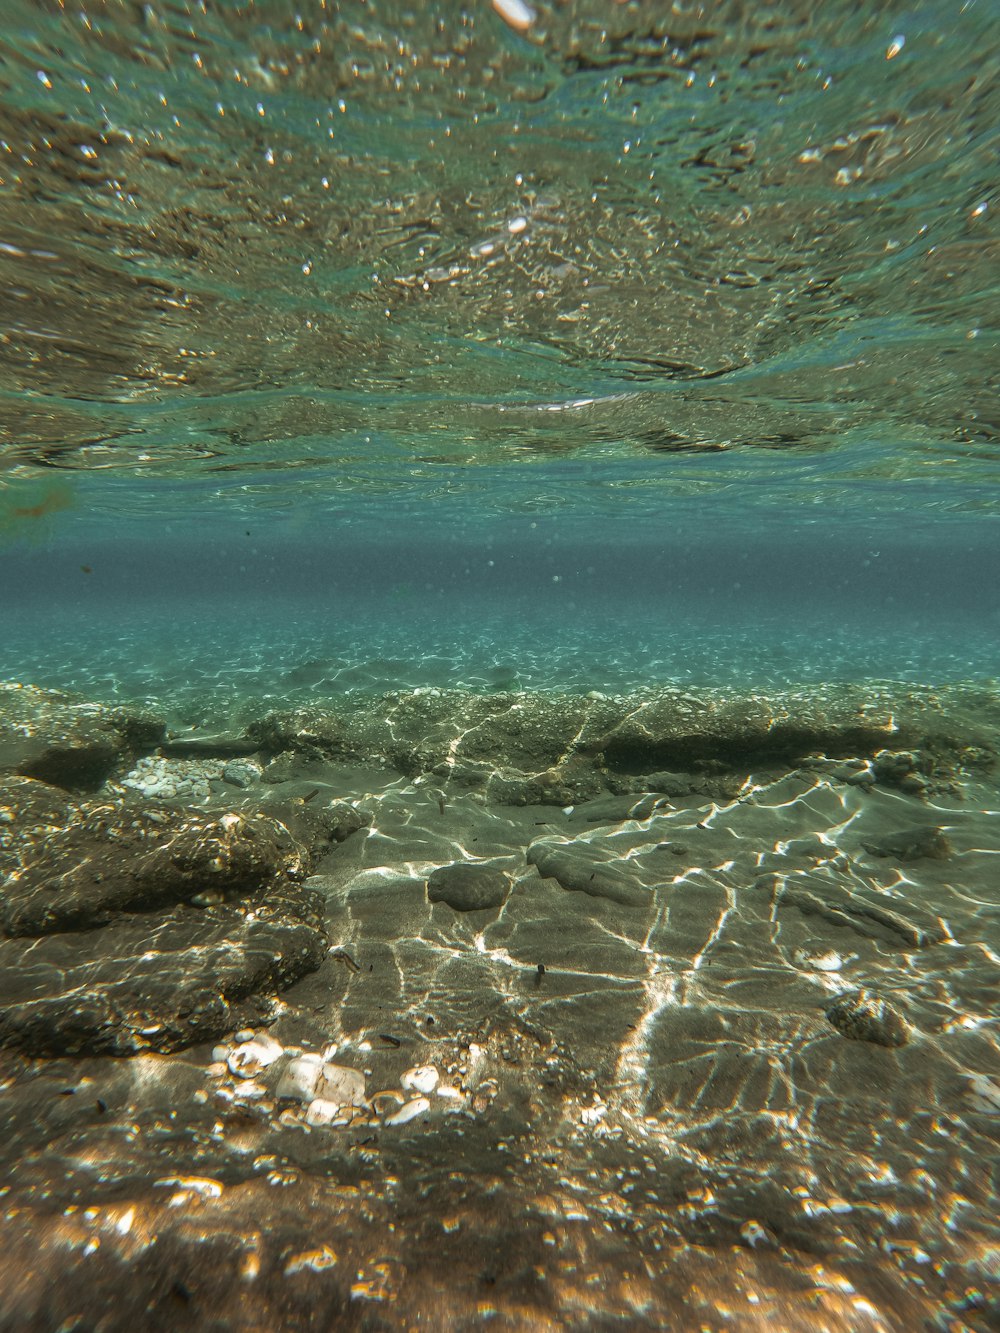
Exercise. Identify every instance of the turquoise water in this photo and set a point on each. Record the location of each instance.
(217, 616)
(695, 309)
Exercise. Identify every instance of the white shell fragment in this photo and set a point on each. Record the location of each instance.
(422, 1078)
(831, 961)
(409, 1111)
(254, 1055)
(250, 1088)
(387, 1101)
(202, 1186)
(754, 1234)
(515, 13)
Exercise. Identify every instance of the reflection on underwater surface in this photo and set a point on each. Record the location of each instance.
(388, 242)
(510, 492)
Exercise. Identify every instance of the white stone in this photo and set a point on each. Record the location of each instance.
(388, 1101)
(818, 962)
(754, 1234)
(409, 1111)
(300, 1077)
(207, 1188)
(422, 1078)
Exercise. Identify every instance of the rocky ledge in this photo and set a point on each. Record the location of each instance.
(130, 927)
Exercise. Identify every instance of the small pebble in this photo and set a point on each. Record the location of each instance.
(409, 1111)
(866, 1016)
(985, 1094)
(818, 962)
(423, 1078)
(312, 1260)
(753, 1234)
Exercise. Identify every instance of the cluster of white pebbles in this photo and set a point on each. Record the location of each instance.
(189, 779)
(316, 1090)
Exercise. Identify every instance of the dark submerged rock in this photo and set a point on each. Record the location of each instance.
(129, 928)
(209, 745)
(865, 1016)
(616, 809)
(526, 748)
(912, 844)
(468, 887)
(160, 982)
(863, 910)
(79, 876)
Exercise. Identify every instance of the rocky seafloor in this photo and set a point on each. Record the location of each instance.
(439, 1009)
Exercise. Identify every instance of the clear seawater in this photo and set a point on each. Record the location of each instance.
(217, 615)
(645, 345)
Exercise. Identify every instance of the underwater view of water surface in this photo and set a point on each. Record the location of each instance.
(499, 677)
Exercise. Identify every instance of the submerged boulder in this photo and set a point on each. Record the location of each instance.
(911, 844)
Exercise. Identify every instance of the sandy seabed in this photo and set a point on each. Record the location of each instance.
(669, 1011)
